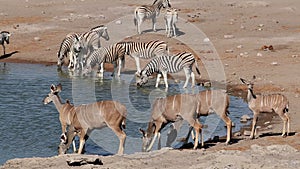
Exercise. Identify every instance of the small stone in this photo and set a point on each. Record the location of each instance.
(229, 51)
(228, 36)
(269, 127)
(261, 25)
(206, 40)
(247, 133)
(242, 27)
(37, 38)
(237, 134)
(274, 63)
(239, 46)
(267, 122)
(294, 56)
(259, 54)
(118, 22)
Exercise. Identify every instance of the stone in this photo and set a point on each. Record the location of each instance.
(228, 36)
(118, 22)
(37, 38)
(247, 133)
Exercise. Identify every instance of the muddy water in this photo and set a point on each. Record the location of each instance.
(29, 128)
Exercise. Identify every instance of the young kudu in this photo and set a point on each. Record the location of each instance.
(171, 109)
(83, 119)
(277, 103)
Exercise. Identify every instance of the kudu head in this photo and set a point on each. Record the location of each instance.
(54, 90)
(147, 136)
(66, 140)
(249, 83)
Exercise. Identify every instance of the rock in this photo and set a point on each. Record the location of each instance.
(206, 40)
(259, 54)
(228, 36)
(245, 118)
(237, 134)
(239, 46)
(118, 22)
(247, 133)
(267, 122)
(294, 56)
(274, 63)
(269, 127)
(37, 38)
(229, 51)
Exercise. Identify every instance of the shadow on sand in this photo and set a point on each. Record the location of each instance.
(8, 55)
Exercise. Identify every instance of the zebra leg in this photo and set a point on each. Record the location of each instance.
(137, 63)
(154, 23)
(157, 80)
(119, 68)
(193, 79)
(101, 69)
(3, 48)
(187, 72)
(174, 29)
(165, 75)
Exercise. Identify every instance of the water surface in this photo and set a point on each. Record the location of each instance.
(31, 129)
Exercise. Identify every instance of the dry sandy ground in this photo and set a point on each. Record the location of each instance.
(38, 27)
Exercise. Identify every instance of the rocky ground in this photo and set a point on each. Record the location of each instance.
(237, 29)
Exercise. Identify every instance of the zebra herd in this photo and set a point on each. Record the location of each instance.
(86, 54)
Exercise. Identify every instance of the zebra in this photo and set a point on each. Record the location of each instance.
(144, 12)
(145, 50)
(169, 64)
(4, 37)
(86, 43)
(65, 50)
(171, 17)
(111, 54)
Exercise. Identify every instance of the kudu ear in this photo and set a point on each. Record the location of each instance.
(52, 88)
(243, 81)
(58, 87)
(63, 138)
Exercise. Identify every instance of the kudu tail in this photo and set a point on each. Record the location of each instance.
(135, 18)
(123, 125)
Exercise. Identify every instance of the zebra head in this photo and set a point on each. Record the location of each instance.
(166, 3)
(142, 78)
(5, 36)
(77, 44)
(102, 30)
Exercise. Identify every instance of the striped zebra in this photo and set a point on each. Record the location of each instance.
(144, 12)
(65, 50)
(86, 43)
(169, 64)
(146, 50)
(4, 37)
(171, 17)
(112, 54)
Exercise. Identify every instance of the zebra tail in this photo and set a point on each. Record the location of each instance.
(197, 67)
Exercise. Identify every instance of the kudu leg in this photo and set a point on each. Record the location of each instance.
(253, 131)
(286, 125)
(228, 123)
(122, 137)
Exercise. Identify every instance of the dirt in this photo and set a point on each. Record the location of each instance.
(237, 29)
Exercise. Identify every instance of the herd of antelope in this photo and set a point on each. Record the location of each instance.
(81, 120)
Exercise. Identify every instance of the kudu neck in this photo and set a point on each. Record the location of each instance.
(57, 102)
(250, 95)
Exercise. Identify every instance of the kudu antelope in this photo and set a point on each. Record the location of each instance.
(277, 103)
(171, 109)
(84, 118)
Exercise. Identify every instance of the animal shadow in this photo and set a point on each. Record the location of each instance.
(8, 55)
(275, 134)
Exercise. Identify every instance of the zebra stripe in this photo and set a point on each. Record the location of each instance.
(170, 64)
(145, 50)
(149, 12)
(110, 54)
(4, 37)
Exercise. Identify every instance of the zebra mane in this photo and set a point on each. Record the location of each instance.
(4, 32)
(96, 27)
(155, 2)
